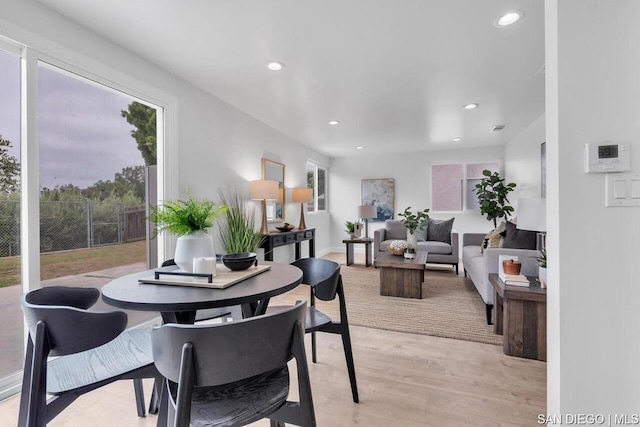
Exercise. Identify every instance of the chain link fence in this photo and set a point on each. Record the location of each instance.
(68, 225)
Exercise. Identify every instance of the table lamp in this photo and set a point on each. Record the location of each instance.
(532, 216)
(263, 190)
(302, 196)
(365, 212)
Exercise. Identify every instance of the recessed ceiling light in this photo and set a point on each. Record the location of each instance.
(457, 139)
(471, 106)
(275, 66)
(509, 18)
(333, 122)
(359, 147)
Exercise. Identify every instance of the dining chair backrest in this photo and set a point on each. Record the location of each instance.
(228, 352)
(70, 328)
(322, 275)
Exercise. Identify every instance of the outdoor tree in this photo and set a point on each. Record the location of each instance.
(9, 168)
(143, 118)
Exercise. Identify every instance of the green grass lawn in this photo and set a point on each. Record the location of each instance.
(70, 263)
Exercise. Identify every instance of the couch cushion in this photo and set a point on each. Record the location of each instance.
(469, 252)
(518, 239)
(433, 247)
(440, 230)
(394, 229)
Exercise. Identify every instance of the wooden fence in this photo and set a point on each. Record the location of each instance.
(135, 227)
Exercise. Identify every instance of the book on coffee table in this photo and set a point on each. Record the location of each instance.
(514, 279)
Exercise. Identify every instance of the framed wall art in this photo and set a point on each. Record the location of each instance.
(379, 193)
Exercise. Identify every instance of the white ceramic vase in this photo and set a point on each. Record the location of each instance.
(412, 240)
(195, 245)
(542, 276)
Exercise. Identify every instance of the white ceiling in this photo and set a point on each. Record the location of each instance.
(395, 73)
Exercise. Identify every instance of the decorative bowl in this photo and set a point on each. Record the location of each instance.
(240, 261)
(397, 247)
(285, 228)
(511, 267)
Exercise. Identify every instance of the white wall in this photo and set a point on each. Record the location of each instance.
(593, 87)
(217, 145)
(522, 161)
(412, 175)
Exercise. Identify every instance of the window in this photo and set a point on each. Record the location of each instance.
(317, 179)
(453, 185)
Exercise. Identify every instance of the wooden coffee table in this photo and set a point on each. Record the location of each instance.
(400, 277)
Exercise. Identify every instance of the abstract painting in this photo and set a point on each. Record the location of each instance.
(379, 193)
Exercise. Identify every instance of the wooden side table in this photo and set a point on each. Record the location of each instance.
(520, 315)
(367, 249)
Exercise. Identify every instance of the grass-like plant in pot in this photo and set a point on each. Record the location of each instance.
(189, 219)
(237, 231)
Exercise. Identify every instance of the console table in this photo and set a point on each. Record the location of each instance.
(295, 237)
(520, 315)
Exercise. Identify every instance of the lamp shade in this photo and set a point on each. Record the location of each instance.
(532, 214)
(367, 211)
(302, 195)
(262, 189)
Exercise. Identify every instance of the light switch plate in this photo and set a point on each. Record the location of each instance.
(623, 189)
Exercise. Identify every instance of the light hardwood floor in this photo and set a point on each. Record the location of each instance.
(403, 380)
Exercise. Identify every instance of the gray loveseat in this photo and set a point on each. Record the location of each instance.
(478, 264)
(437, 252)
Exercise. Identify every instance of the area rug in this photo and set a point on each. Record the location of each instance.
(451, 307)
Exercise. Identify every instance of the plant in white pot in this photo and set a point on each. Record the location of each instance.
(189, 220)
(542, 268)
(413, 221)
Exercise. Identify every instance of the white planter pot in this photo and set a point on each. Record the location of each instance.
(195, 245)
(412, 240)
(542, 276)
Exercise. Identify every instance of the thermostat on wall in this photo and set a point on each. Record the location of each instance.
(606, 157)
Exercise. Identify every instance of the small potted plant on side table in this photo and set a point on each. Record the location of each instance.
(353, 229)
(542, 268)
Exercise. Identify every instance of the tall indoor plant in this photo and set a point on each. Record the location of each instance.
(413, 221)
(189, 219)
(492, 195)
(237, 232)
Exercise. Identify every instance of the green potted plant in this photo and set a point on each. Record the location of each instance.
(542, 268)
(413, 221)
(189, 219)
(237, 232)
(492, 195)
(352, 228)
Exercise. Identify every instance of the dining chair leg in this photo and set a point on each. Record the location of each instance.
(313, 347)
(348, 354)
(154, 401)
(26, 380)
(139, 393)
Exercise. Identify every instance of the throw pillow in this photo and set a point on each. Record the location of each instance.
(493, 239)
(394, 230)
(439, 230)
(518, 239)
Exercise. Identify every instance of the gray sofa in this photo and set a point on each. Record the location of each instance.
(479, 264)
(437, 252)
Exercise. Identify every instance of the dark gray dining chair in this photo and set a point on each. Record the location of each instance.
(91, 349)
(325, 282)
(235, 373)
